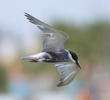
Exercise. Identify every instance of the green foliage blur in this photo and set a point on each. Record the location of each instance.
(89, 41)
(3, 79)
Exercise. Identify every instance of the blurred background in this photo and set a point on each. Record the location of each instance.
(88, 24)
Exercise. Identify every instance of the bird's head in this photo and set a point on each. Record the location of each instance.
(75, 58)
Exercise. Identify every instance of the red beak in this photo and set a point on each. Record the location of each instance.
(78, 65)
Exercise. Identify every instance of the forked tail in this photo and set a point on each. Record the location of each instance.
(26, 58)
(43, 56)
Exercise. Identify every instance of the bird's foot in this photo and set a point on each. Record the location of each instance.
(34, 60)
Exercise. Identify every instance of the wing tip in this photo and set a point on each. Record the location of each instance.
(59, 84)
(30, 18)
(26, 14)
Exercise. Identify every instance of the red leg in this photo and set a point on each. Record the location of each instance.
(34, 60)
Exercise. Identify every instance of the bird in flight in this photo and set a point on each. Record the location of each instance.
(53, 51)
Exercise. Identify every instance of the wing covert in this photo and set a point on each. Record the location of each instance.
(56, 38)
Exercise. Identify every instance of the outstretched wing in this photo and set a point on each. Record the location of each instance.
(68, 71)
(55, 40)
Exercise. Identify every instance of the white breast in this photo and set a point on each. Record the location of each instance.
(70, 57)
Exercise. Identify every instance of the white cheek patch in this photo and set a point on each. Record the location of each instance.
(70, 57)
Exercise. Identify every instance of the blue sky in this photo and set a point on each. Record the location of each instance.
(12, 11)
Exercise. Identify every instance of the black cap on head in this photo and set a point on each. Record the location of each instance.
(75, 57)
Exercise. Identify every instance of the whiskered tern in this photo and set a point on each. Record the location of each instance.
(53, 51)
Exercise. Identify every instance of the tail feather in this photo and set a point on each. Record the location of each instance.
(36, 57)
(26, 58)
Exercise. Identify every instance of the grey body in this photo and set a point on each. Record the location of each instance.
(61, 56)
(53, 51)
